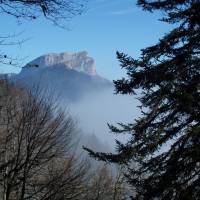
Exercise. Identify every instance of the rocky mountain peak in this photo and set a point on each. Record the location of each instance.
(79, 61)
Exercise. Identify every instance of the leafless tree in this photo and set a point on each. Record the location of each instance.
(35, 142)
(53, 10)
(105, 185)
(10, 41)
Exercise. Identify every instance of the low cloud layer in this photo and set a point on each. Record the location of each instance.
(94, 111)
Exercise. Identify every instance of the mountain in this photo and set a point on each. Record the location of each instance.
(69, 75)
(86, 95)
(80, 62)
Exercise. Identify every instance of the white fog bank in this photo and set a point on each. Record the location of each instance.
(94, 111)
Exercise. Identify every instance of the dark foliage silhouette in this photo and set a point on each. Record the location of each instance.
(162, 156)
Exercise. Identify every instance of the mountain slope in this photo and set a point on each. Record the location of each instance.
(70, 75)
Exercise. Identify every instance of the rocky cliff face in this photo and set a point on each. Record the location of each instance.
(80, 62)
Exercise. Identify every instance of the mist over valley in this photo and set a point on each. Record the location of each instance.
(88, 97)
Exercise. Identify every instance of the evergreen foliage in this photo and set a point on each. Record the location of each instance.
(163, 155)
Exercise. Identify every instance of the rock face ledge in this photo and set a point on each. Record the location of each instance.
(80, 62)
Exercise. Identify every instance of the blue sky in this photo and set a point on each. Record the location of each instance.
(106, 26)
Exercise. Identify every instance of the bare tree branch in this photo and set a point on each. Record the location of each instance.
(56, 11)
(36, 161)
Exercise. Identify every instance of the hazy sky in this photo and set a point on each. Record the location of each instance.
(106, 26)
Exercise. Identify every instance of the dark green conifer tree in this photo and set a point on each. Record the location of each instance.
(162, 157)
